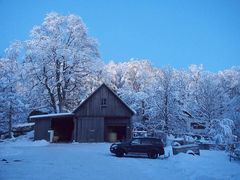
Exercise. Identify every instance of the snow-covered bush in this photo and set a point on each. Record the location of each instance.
(221, 130)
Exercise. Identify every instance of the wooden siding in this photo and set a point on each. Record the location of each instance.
(112, 121)
(41, 129)
(114, 107)
(90, 129)
(91, 118)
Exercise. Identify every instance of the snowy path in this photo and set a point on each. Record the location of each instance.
(93, 161)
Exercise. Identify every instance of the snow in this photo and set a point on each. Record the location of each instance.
(23, 141)
(90, 161)
(24, 125)
(51, 115)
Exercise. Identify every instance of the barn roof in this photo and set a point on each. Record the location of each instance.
(104, 85)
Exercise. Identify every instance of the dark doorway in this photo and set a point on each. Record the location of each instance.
(63, 129)
(115, 133)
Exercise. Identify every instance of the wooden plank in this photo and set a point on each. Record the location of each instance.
(91, 129)
(41, 129)
(92, 117)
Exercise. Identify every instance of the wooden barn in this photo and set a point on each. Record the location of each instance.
(102, 117)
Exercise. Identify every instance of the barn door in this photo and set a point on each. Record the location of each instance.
(92, 135)
(92, 129)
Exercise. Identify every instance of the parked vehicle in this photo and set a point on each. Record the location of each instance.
(153, 147)
(234, 151)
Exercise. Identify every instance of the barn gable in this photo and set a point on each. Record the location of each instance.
(103, 102)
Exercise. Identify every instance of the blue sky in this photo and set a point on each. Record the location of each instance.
(176, 33)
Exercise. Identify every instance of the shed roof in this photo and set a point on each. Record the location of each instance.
(52, 115)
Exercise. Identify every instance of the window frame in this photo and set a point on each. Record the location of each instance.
(103, 102)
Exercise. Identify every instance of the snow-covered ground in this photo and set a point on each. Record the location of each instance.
(24, 159)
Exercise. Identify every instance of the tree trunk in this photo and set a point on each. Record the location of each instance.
(166, 113)
(59, 85)
(10, 120)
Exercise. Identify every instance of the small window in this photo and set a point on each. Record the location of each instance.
(103, 103)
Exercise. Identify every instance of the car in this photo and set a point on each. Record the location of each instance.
(234, 151)
(152, 147)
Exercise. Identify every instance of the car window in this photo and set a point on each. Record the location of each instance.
(136, 141)
(146, 142)
(158, 142)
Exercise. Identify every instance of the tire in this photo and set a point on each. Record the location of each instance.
(120, 153)
(162, 152)
(190, 152)
(153, 155)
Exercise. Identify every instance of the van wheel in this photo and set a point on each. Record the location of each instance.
(190, 152)
(153, 155)
(119, 153)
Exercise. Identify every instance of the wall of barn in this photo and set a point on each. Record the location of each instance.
(41, 129)
(90, 129)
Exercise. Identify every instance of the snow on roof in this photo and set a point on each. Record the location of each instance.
(51, 115)
(24, 125)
